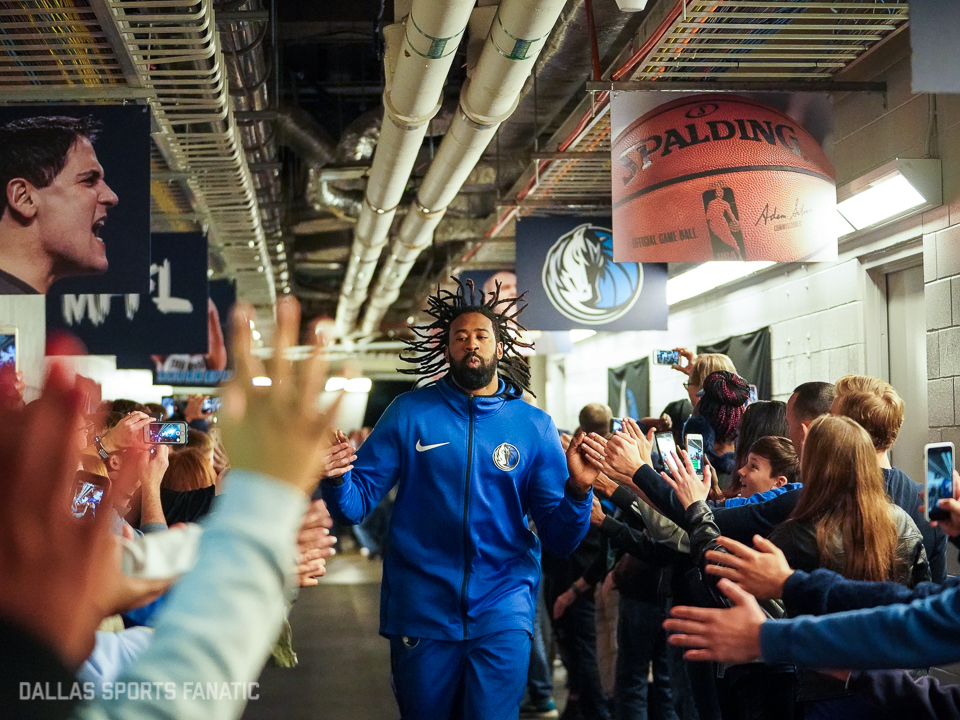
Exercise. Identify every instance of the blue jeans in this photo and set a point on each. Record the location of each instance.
(479, 679)
(576, 634)
(640, 640)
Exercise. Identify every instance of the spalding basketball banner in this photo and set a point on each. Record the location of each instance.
(566, 267)
(722, 177)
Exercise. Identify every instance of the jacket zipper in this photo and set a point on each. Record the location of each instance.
(466, 523)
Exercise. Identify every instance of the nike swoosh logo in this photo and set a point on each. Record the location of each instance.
(423, 448)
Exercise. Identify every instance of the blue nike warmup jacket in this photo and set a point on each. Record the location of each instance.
(461, 561)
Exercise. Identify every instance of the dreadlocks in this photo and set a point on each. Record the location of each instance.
(428, 347)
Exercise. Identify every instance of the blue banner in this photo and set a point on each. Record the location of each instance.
(566, 267)
(171, 318)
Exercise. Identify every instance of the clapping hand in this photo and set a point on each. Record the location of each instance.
(314, 544)
(583, 463)
(623, 454)
(338, 459)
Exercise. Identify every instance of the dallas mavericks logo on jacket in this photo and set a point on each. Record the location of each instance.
(584, 283)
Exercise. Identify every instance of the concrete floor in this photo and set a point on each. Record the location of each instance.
(344, 669)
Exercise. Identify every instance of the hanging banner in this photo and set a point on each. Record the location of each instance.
(750, 354)
(209, 369)
(75, 212)
(566, 267)
(213, 367)
(723, 177)
(172, 317)
(628, 389)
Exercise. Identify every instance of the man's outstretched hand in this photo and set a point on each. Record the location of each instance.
(583, 467)
(762, 572)
(726, 636)
(339, 458)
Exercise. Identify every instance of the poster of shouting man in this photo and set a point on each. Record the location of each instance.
(60, 216)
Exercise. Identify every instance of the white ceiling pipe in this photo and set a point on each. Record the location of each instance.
(516, 37)
(416, 73)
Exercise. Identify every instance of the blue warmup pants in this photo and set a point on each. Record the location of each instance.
(479, 679)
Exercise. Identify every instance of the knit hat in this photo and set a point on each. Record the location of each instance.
(723, 403)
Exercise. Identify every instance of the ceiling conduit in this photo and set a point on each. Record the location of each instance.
(415, 74)
(490, 95)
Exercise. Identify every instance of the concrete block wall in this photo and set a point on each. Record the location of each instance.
(941, 252)
(815, 317)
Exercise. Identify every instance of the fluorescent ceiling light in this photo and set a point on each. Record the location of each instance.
(335, 383)
(891, 196)
(359, 385)
(353, 385)
(262, 381)
(708, 276)
(898, 188)
(578, 334)
(842, 225)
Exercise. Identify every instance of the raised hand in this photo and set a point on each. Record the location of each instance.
(276, 429)
(338, 459)
(687, 355)
(127, 434)
(582, 463)
(314, 544)
(951, 525)
(761, 572)
(194, 409)
(688, 486)
(727, 636)
(623, 454)
(596, 513)
(53, 565)
(644, 442)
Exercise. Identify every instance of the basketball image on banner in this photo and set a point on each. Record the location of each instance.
(721, 177)
(566, 266)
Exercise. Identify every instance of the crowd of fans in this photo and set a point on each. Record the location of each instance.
(799, 506)
(795, 576)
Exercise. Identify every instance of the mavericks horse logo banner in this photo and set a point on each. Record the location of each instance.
(565, 264)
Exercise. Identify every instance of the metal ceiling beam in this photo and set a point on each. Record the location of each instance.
(70, 93)
(744, 86)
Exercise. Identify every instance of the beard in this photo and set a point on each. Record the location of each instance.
(473, 378)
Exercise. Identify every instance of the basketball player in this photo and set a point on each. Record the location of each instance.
(470, 459)
(721, 221)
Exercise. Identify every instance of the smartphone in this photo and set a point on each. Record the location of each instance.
(211, 404)
(666, 445)
(169, 405)
(9, 348)
(666, 357)
(754, 394)
(165, 433)
(695, 452)
(616, 424)
(89, 494)
(938, 464)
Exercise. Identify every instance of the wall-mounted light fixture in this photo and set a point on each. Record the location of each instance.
(896, 189)
(709, 276)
